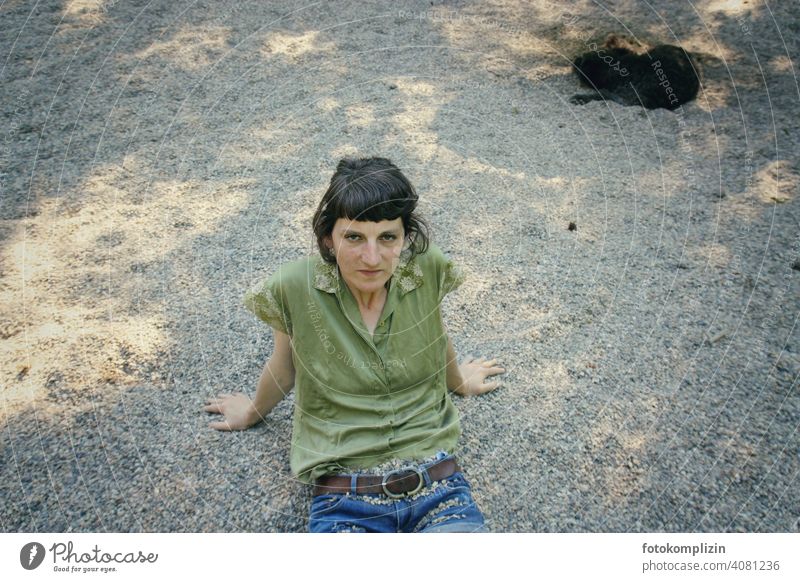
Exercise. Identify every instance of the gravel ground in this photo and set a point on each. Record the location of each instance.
(159, 157)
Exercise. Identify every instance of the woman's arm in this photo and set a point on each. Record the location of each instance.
(277, 380)
(468, 378)
(454, 379)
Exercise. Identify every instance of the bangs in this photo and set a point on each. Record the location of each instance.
(372, 200)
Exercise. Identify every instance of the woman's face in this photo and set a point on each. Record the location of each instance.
(367, 252)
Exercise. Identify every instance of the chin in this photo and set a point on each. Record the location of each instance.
(374, 285)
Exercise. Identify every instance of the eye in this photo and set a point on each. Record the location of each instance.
(389, 237)
(352, 237)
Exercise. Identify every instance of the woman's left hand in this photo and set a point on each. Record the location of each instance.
(474, 372)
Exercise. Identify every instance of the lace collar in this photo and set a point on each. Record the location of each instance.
(407, 274)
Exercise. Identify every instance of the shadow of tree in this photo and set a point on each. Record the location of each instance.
(166, 157)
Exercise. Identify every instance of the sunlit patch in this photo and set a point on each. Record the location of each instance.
(614, 460)
(463, 27)
(781, 64)
(360, 115)
(295, 45)
(190, 47)
(85, 13)
(777, 182)
(328, 104)
(730, 7)
(72, 286)
(714, 254)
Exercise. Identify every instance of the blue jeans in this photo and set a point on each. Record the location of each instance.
(440, 507)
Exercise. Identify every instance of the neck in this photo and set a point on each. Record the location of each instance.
(369, 300)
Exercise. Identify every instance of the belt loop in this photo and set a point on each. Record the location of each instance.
(354, 483)
(426, 476)
(437, 459)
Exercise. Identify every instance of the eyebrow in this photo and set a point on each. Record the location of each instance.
(394, 232)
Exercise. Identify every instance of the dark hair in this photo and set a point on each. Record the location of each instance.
(369, 189)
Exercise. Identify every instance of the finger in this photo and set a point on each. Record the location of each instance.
(224, 426)
(489, 386)
(213, 408)
(215, 400)
(489, 363)
(480, 360)
(486, 372)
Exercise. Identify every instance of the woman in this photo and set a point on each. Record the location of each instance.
(359, 333)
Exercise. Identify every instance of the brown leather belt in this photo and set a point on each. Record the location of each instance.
(397, 483)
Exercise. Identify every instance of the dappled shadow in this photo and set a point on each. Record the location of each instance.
(163, 164)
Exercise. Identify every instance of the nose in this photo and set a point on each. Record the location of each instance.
(371, 257)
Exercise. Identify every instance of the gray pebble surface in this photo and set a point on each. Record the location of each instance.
(160, 157)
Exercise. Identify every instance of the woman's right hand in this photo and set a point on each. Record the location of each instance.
(238, 410)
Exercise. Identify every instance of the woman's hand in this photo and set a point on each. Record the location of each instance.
(474, 372)
(238, 410)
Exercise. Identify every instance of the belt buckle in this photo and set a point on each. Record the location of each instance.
(402, 470)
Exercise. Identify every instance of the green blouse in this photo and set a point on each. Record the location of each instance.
(361, 400)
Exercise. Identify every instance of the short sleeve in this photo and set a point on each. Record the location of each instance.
(268, 302)
(450, 275)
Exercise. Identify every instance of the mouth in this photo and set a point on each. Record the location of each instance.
(368, 273)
